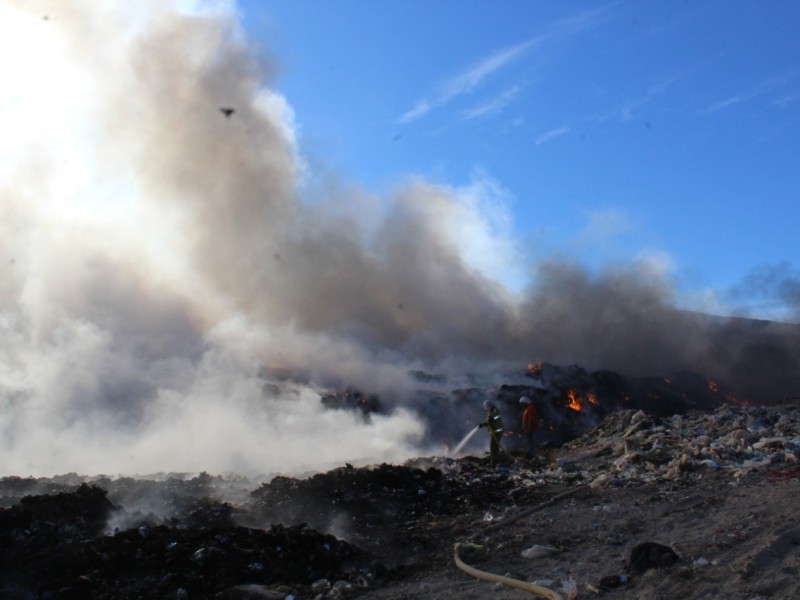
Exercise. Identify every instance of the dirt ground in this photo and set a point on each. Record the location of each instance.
(719, 489)
(734, 539)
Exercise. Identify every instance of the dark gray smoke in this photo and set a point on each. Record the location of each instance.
(770, 286)
(626, 320)
(159, 262)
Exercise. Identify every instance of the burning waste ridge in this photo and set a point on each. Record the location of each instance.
(570, 399)
(181, 253)
(371, 530)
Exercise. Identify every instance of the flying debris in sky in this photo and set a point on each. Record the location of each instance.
(227, 111)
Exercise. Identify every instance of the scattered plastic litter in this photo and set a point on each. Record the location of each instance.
(701, 562)
(538, 551)
(570, 588)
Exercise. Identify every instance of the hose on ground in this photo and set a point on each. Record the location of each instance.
(515, 583)
(533, 588)
(521, 515)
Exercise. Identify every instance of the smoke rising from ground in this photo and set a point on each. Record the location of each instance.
(158, 261)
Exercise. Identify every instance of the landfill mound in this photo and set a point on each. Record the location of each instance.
(56, 546)
(699, 505)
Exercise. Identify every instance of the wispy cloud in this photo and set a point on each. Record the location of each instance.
(552, 134)
(760, 89)
(606, 224)
(466, 81)
(786, 101)
(493, 105)
(728, 102)
(422, 107)
(657, 89)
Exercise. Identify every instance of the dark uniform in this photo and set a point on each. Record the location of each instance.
(494, 424)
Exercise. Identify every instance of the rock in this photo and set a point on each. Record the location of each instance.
(651, 555)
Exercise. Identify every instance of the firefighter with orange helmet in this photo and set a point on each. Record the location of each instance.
(530, 423)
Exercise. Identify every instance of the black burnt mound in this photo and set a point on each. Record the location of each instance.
(363, 526)
(377, 507)
(57, 546)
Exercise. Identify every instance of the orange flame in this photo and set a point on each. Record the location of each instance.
(713, 386)
(574, 402)
(736, 401)
(534, 368)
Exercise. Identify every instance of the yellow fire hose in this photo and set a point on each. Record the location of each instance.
(540, 591)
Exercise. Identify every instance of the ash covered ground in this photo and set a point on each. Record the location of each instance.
(700, 503)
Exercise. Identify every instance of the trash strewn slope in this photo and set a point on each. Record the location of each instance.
(698, 505)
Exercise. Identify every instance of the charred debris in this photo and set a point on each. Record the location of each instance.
(571, 400)
(355, 531)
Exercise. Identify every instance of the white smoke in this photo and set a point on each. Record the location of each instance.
(119, 176)
(158, 265)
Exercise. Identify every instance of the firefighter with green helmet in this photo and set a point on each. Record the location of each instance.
(494, 425)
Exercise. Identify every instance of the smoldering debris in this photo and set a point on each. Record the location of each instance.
(179, 254)
(570, 400)
(51, 546)
(633, 483)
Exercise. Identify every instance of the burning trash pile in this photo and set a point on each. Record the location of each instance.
(700, 504)
(570, 399)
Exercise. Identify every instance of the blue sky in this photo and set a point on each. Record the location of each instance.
(609, 132)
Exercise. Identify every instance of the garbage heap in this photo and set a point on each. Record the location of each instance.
(633, 447)
(698, 505)
(692, 483)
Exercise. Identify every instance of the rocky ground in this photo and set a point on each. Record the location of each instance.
(702, 505)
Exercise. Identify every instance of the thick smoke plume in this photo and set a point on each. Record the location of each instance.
(159, 267)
